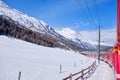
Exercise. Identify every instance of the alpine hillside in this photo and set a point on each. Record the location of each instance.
(16, 24)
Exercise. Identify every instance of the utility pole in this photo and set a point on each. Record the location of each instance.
(99, 44)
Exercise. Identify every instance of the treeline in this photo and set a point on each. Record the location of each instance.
(11, 28)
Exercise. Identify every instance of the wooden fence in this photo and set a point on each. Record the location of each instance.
(82, 73)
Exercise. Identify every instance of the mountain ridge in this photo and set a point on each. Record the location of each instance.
(39, 30)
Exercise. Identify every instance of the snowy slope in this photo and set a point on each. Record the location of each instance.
(42, 63)
(77, 37)
(37, 62)
(103, 72)
(25, 21)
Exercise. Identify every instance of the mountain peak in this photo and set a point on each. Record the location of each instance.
(67, 30)
(77, 37)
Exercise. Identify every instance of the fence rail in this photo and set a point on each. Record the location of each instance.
(83, 72)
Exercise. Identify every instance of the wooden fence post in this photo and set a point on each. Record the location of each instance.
(60, 68)
(71, 76)
(94, 64)
(19, 76)
(89, 70)
(82, 74)
(74, 64)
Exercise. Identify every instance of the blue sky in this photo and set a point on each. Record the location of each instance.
(69, 13)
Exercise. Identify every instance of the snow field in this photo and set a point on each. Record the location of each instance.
(37, 62)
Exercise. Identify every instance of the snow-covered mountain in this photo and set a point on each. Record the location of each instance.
(80, 39)
(25, 20)
(21, 20)
(77, 37)
(47, 36)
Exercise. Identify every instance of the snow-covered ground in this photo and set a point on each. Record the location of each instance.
(42, 63)
(37, 62)
(103, 72)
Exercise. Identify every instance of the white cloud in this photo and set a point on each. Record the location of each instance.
(107, 36)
